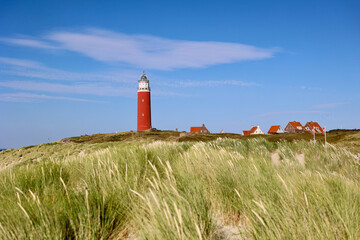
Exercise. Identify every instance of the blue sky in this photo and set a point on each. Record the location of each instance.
(70, 68)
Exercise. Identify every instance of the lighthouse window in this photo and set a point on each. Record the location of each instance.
(142, 114)
(142, 100)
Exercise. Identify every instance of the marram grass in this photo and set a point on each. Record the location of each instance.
(224, 189)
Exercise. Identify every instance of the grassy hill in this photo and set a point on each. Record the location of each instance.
(158, 185)
(349, 139)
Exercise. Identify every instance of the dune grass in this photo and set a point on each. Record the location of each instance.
(347, 138)
(223, 189)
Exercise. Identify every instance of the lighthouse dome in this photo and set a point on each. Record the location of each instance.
(143, 77)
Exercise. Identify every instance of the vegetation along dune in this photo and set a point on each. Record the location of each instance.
(158, 185)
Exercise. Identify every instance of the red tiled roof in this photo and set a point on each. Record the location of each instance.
(195, 129)
(296, 124)
(246, 132)
(253, 129)
(315, 125)
(274, 129)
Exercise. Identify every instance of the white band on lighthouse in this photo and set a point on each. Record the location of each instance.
(143, 84)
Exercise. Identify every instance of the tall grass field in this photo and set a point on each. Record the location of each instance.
(221, 189)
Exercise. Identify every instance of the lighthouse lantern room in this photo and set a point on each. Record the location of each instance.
(144, 105)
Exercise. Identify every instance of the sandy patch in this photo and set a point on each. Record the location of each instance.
(228, 232)
(301, 158)
(275, 158)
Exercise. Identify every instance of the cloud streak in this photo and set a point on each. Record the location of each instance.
(99, 84)
(209, 83)
(144, 51)
(329, 105)
(97, 89)
(270, 114)
(30, 97)
(20, 62)
(28, 43)
(33, 69)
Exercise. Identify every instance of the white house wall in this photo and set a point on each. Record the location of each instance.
(258, 131)
(280, 130)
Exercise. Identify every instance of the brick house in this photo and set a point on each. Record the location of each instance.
(294, 127)
(201, 129)
(310, 125)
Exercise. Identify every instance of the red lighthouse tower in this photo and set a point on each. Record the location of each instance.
(144, 106)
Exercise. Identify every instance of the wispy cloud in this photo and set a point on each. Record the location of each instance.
(97, 89)
(270, 114)
(145, 51)
(33, 69)
(208, 83)
(30, 97)
(20, 62)
(29, 43)
(106, 84)
(329, 105)
(99, 84)
(158, 92)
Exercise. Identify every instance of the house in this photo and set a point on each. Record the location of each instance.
(245, 132)
(276, 129)
(222, 131)
(294, 127)
(253, 130)
(201, 129)
(256, 130)
(310, 125)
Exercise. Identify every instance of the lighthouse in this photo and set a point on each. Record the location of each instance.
(144, 106)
